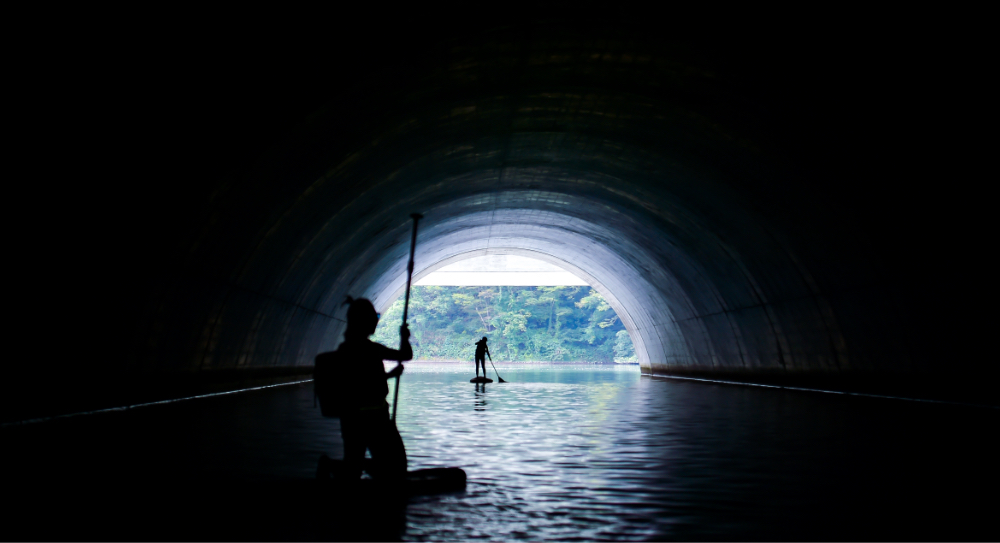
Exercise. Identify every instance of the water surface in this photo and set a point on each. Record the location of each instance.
(600, 452)
(559, 452)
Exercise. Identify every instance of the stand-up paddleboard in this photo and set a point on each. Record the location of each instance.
(481, 380)
(416, 483)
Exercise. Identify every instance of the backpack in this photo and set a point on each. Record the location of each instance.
(326, 385)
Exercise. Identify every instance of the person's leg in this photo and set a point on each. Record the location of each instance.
(388, 451)
(354, 434)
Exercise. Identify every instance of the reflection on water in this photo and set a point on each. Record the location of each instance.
(534, 448)
(560, 452)
(600, 452)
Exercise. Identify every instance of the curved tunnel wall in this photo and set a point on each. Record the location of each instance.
(611, 161)
(722, 228)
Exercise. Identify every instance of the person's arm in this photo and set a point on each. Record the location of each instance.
(488, 354)
(404, 353)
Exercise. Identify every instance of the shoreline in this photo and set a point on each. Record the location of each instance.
(534, 362)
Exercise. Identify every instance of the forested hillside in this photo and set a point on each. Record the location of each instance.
(570, 323)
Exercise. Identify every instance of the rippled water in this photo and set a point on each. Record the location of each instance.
(571, 452)
(600, 452)
(537, 450)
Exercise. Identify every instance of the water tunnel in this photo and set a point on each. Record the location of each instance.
(705, 211)
(741, 203)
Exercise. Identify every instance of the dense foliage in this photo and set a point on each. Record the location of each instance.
(569, 323)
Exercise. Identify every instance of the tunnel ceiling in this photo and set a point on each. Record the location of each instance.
(710, 192)
(609, 157)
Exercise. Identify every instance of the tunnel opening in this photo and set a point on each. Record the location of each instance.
(548, 314)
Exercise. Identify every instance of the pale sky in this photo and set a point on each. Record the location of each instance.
(496, 270)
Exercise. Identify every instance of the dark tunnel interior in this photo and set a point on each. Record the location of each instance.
(758, 204)
(765, 203)
(753, 203)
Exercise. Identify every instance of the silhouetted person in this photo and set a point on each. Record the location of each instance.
(482, 351)
(364, 417)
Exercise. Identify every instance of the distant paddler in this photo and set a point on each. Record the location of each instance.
(482, 351)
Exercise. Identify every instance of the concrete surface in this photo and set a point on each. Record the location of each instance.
(742, 211)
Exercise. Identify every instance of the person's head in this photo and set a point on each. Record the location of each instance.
(361, 317)
(484, 338)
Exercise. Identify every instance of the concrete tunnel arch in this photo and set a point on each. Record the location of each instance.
(618, 250)
(688, 222)
(700, 202)
(647, 303)
(659, 269)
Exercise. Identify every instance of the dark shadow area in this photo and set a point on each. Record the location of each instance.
(165, 473)
(82, 389)
(766, 184)
(797, 204)
(952, 389)
(873, 470)
(752, 465)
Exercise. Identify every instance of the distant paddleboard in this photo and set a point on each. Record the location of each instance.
(481, 380)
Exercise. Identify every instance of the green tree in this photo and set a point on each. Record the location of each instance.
(549, 323)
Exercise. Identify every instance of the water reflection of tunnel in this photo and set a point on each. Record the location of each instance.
(686, 186)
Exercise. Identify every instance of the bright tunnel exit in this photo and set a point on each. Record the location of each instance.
(531, 310)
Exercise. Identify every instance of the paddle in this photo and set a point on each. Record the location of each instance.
(406, 301)
(495, 369)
